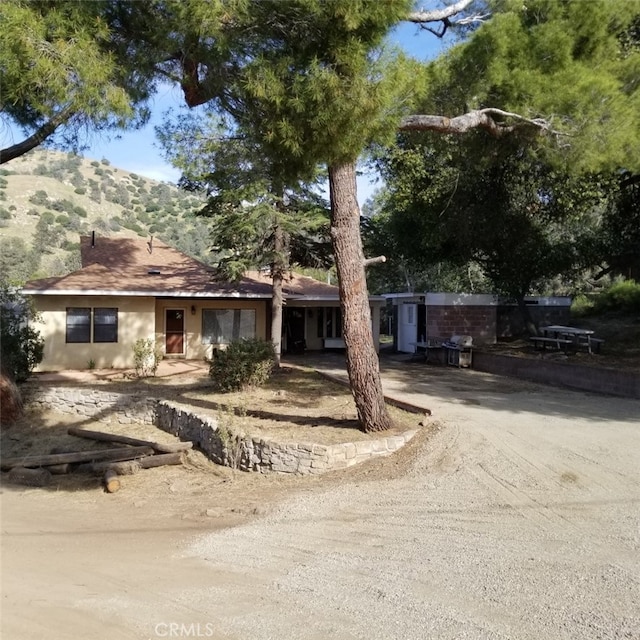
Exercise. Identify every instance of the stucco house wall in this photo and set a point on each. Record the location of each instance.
(192, 308)
(136, 319)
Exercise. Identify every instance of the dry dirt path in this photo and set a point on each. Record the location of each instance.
(519, 518)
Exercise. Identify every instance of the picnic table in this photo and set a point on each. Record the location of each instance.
(563, 337)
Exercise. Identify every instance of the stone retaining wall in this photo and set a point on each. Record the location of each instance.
(257, 454)
(625, 384)
(217, 442)
(103, 406)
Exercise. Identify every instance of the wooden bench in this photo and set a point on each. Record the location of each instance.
(558, 343)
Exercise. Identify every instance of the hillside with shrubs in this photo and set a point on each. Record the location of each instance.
(48, 199)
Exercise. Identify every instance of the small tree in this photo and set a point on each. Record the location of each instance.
(21, 346)
(146, 357)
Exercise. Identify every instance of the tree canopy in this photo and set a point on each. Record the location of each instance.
(58, 73)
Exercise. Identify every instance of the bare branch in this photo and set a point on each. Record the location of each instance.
(377, 260)
(477, 119)
(438, 15)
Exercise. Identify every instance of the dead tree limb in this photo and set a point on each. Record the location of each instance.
(496, 121)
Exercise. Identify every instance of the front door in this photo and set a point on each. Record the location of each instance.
(174, 331)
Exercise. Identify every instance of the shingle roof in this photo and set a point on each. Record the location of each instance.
(138, 266)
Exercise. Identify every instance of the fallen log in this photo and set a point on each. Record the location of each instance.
(160, 447)
(111, 481)
(121, 453)
(131, 467)
(58, 469)
(29, 477)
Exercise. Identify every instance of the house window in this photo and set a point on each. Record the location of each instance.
(105, 324)
(329, 322)
(78, 324)
(222, 326)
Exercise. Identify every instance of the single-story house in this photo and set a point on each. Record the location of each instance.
(132, 288)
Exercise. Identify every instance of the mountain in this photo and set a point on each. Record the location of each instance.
(48, 199)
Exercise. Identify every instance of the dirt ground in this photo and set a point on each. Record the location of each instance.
(515, 514)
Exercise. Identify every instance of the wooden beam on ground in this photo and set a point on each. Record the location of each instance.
(100, 436)
(131, 467)
(121, 453)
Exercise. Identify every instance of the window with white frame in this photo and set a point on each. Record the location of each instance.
(222, 326)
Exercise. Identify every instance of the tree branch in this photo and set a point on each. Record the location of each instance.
(476, 119)
(377, 260)
(438, 15)
(37, 138)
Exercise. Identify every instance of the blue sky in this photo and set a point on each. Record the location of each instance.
(138, 152)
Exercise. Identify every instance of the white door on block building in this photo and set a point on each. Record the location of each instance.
(408, 327)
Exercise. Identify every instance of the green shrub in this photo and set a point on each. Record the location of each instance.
(621, 296)
(244, 363)
(21, 346)
(146, 357)
(582, 305)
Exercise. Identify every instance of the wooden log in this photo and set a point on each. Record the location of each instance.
(131, 467)
(29, 477)
(122, 468)
(122, 453)
(161, 460)
(58, 469)
(160, 447)
(111, 481)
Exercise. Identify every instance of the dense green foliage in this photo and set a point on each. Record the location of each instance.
(577, 67)
(478, 202)
(250, 206)
(21, 346)
(59, 70)
(531, 213)
(623, 296)
(243, 364)
(619, 247)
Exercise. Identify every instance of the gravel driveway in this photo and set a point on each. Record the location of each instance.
(518, 519)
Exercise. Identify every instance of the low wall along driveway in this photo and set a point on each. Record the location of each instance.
(219, 443)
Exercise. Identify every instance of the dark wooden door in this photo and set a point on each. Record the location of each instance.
(174, 331)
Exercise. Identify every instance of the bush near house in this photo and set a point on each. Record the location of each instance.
(21, 346)
(245, 363)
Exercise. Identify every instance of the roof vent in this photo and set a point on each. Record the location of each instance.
(154, 272)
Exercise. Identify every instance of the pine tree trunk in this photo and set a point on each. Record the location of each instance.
(277, 275)
(276, 316)
(362, 359)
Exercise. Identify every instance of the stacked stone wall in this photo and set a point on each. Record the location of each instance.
(217, 442)
(103, 406)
